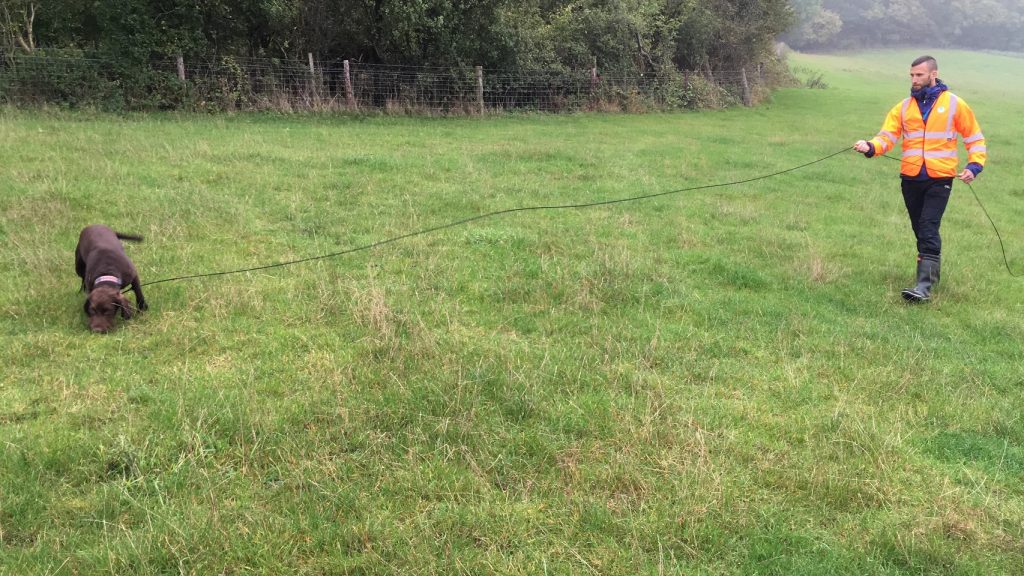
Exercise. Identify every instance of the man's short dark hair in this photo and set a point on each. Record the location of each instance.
(932, 64)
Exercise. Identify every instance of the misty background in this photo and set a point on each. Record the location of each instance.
(877, 24)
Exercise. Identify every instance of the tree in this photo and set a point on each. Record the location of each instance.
(815, 25)
(728, 34)
(17, 25)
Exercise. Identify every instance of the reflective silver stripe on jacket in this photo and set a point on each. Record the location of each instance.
(977, 149)
(887, 134)
(929, 154)
(975, 138)
(932, 135)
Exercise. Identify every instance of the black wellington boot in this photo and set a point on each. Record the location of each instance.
(927, 276)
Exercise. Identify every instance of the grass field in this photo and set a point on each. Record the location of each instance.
(718, 382)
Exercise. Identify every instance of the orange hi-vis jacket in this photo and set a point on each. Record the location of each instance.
(932, 144)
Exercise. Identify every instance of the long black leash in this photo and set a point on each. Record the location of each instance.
(999, 236)
(464, 221)
(491, 215)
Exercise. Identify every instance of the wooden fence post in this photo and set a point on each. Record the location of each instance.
(746, 88)
(350, 98)
(181, 67)
(593, 78)
(480, 88)
(314, 84)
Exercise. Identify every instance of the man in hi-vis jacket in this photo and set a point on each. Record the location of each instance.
(928, 122)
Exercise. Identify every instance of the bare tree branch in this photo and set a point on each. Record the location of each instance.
(29, 20)
(646, 55)
(18, 34)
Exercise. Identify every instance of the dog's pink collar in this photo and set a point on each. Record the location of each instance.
(113, 279)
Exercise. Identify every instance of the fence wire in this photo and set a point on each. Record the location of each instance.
(288, 85)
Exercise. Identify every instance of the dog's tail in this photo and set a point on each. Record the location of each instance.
(132, 237)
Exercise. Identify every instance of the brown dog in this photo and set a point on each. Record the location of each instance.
(105, 268)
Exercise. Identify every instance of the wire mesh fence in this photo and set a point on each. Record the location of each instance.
(233, 83)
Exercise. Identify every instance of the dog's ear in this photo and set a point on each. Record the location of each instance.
(87, 308)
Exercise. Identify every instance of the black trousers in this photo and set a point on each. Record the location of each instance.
(926, 203)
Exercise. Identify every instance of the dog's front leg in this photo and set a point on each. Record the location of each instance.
(140, 300)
